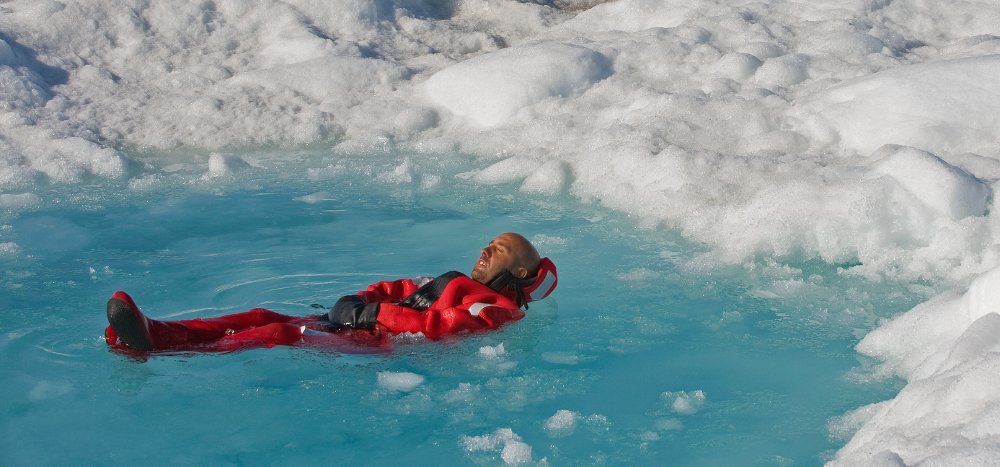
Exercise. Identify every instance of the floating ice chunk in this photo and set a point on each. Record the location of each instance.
(561, 423)
(491, 441)
(516, 453)
(67, 159)
(220, 165)
(403, 173)
(97, 160)
(950, 106)
(512, 449)
(564, 422)
(947, 189)
(494, 359)
(465, 392)
(402, 381)
(551, 178)
(493, 352)
(686, 403)
(490, 89)
(561, 358)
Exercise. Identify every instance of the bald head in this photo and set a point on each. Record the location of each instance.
(509, 251)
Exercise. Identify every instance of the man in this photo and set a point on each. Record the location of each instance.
(507, 275)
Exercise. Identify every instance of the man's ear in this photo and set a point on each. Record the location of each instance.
(521, 272)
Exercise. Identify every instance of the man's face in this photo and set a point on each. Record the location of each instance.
(500, 255)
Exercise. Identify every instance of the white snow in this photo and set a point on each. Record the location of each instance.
(942, 106)
(948, 190)
(857, 132)
(492, 88)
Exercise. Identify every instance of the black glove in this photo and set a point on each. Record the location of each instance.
(352, 312)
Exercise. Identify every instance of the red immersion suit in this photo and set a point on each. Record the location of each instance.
(450, 304)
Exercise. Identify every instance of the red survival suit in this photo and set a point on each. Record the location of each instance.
(449, 304)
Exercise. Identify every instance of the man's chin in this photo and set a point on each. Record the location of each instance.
(477, 276)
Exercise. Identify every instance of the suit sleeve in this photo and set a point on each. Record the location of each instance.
(361, 310)
(393, 291)
(435, 323)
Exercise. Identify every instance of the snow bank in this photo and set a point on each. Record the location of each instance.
(948, 190)
(492, 88)
(948, 349)
(949, 106)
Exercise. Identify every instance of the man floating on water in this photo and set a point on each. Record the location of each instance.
(508, 274)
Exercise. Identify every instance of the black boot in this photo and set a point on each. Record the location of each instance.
(128, 322)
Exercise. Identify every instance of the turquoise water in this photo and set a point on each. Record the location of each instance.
(771, 354)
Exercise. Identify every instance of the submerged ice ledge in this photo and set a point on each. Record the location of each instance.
(851, 131)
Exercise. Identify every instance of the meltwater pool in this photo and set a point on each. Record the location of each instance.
(639, 358)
